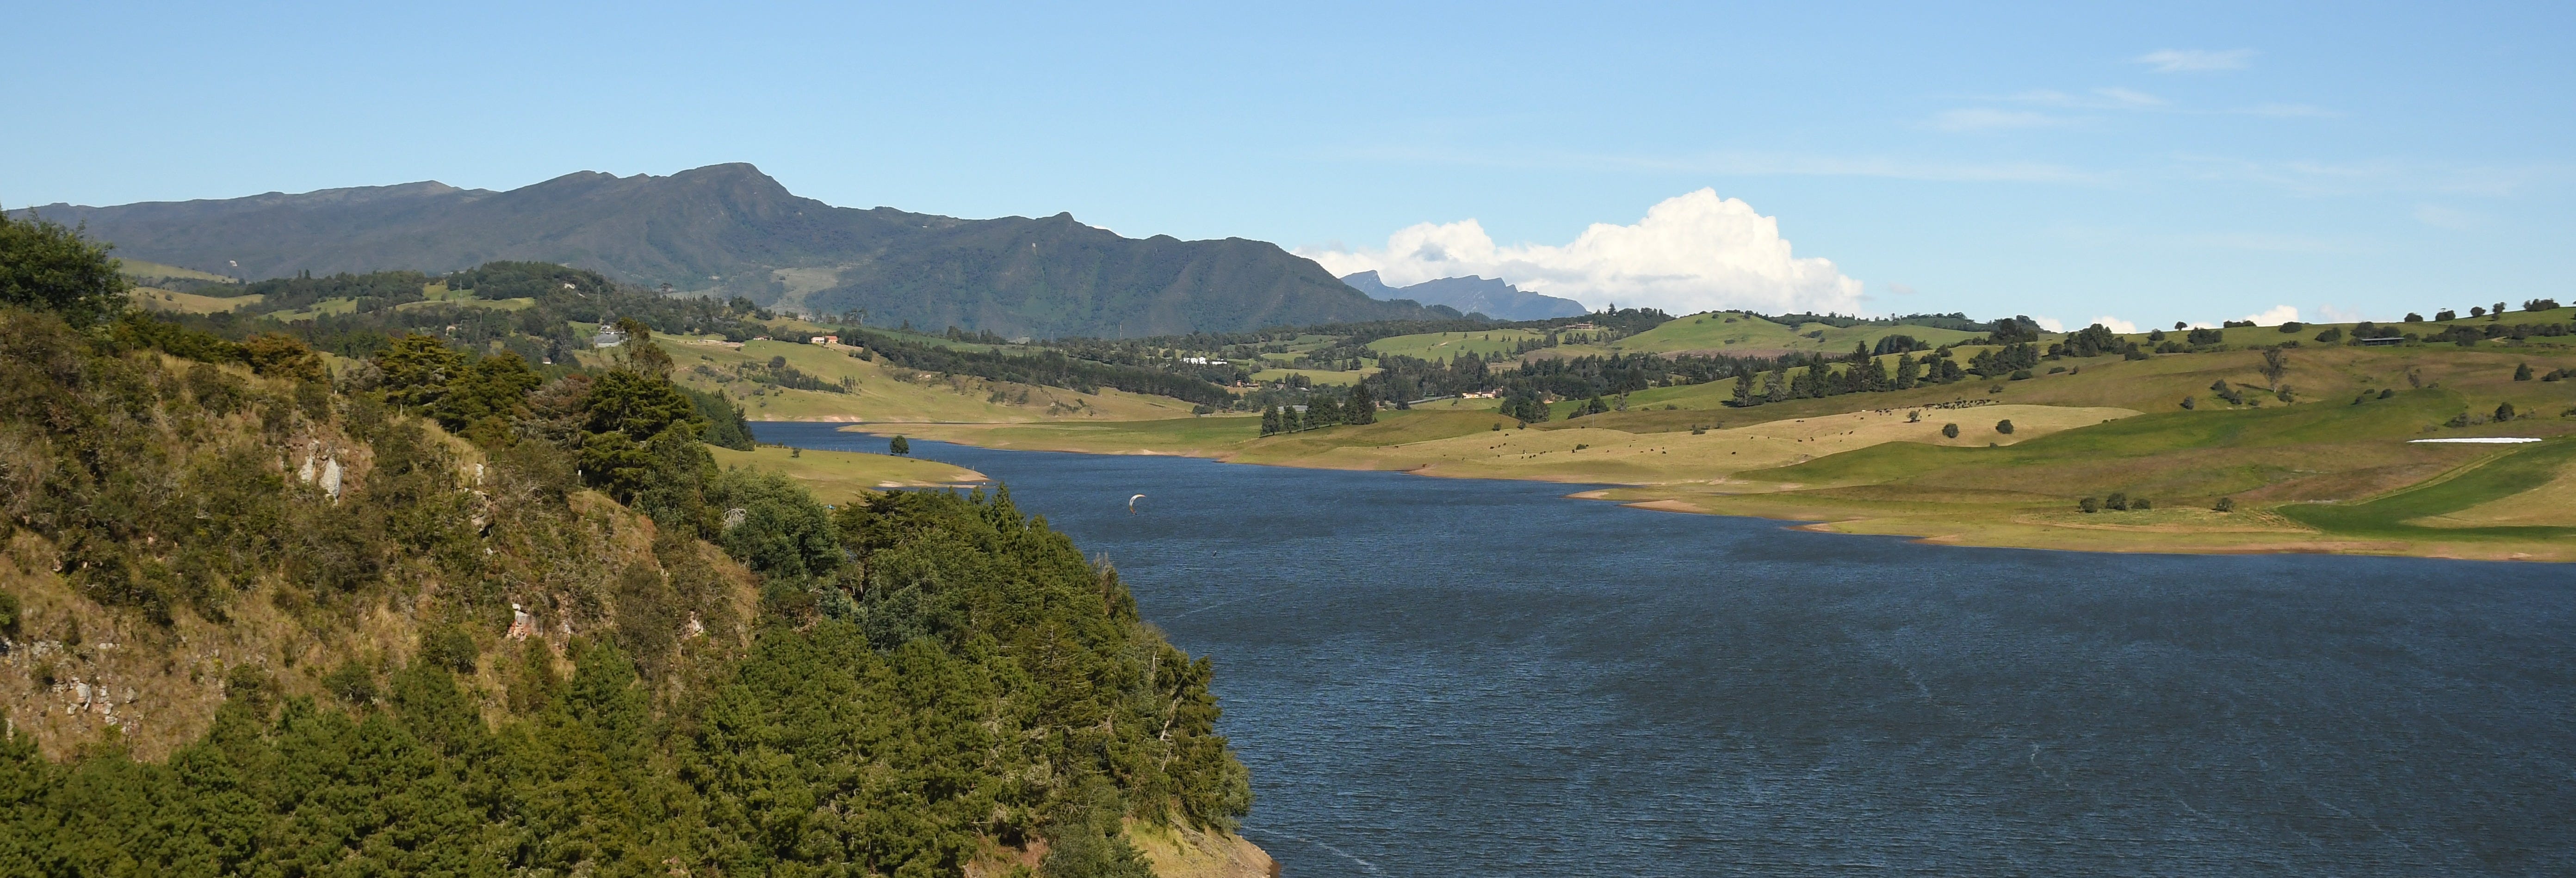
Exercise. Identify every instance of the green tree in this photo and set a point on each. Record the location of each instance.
(2522, 372)
(782, 531)
(416, 369)
(277, 354)
(638, 352)
(2276, 363)
(1363, 406)
(493, 387)
(899, 445)
(725, 425)
(636, 405)
(1950, 431)
(2004, 426)
(46, 266)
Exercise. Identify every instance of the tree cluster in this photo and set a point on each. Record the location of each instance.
(1319, 411)
(1046, 368)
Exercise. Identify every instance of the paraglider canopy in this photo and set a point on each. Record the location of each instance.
(1131, 503)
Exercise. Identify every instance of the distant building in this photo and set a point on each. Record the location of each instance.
(825, 340)
(608, 337)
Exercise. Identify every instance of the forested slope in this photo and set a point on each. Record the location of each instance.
(441, 614)
(729, 230)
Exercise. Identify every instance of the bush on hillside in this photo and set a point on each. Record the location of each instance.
(48, 267)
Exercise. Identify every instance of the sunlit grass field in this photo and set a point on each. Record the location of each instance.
(836, 476)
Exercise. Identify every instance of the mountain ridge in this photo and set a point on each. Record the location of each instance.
(731, 230)
(1491, 297)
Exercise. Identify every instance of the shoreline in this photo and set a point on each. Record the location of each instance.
(2016, 523)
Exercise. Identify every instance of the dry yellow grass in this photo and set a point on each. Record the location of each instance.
(879, 393)
(836, 476)
(2550, 503)
(1619, 457)
(1178, 851)
(159, 299)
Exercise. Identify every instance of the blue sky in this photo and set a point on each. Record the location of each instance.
(2180, 163)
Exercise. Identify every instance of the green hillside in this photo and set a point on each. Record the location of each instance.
(444, 613)
(1747, 335)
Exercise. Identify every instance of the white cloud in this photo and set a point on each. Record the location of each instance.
(2051, 324)
(1901, 289)
(1692, 252)
(2117, 325)
(2339, 315)
(2279, 314)
(2196, 60)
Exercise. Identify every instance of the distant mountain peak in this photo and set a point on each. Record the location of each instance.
(1470, 295)
(731, 230)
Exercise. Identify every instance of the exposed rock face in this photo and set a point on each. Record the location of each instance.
(1183, 852)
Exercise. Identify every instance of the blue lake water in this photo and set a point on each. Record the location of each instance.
(1446, 677)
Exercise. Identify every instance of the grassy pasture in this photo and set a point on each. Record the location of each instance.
(2417, 510)
(1192, 436)
(141, 270)
(2330, 477)
(189, 303)
(879, 393)
(836, 476)
(318, 309)
(1746, 335)
(1318, 376)
(1448, 345)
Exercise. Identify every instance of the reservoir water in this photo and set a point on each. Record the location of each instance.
(1448, 677)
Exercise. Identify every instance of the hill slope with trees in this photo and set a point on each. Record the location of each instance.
(445, 613)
